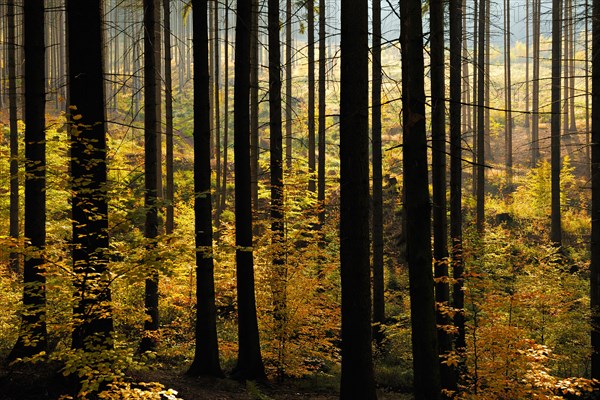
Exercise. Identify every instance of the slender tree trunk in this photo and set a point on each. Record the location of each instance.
(254, 65)
(151, 170)
(216, 106)
(456, 34)
(249, 363)
(32, 333)
(288, 84)
(357, 364)
(170, 220)
(476, 4)
(310, 5)
(276, 164)
(587, 86)
(438, 170)
(378, 277)
(206, 355)
(14, 133)
(223, 196)
(89, 176)
(527, 37)
(480, 217)
(535, 108)
(595, 174)
(426, 365)
(555, 232)
(322, 111)
(508, 124)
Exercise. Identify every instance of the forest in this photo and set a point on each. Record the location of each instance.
(274, 200)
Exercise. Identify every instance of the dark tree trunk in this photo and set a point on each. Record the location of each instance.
(223, 196)
(277, 212)
(508, 124)
(88, 174)
(438, 173)
(206, 355)
(32, 334)
(417, 206)
(456, 33)
(555, 231)
(150, 169)
(249, 363)
(310, 6)
(322, 108)
(169, 223)
(288, 84)
(476, 4)
(535, 101)
(527, 37)
(14, 132)
(254, 64)
(378, 277)
(480, 217)
(357, 363)
(595, 173)
(217, 108)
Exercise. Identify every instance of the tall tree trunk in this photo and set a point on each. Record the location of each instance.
(357, 380)
(32, 333)
(206, 355)
(476, 4)
(14, 133)
(438, 172)
(150, 170)
(89, 176)
(216, 106)
(288, 84)
(555, 232)
(254, 65)
(535, 101)
(322, 111)
(310, 5)
(223, 196)
(480, 217)
(417, 206)
(170, 219)
(249, 363)
(587, 86)
(378, 277)
(595, 173)
(456, 34)
(276, 164)
(508, 124)
(527, 37)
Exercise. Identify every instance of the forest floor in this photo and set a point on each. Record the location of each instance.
(39, 382)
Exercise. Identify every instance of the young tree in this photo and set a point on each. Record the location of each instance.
(357, 364)
(150, 168)
(14, 132)
(170, 218)
(288, 84)
(310, 7)
(555, 232)
(417, 206)
(535, 101)
(595, 174)
(378, 278)
(32, 333)
(249, 363)
(480, 216)
(206, 355)
(322, 108)
(92, 313)
(508, 125)
(254, 83)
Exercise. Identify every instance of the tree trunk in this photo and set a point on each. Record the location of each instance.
(89, 176)
(216, 106)
(170, 222)
(508, 124)
(417, 206)
(151, 170)
(456, 33)
(223, 196)
(322, 111)
(206, 355)
(249, 363)
(535, 101)
(480, 217)
(555, 232)
(310, 5)
(288, 84)
(527, 115)
(476, 4)
(378, 276)
(254, 150)
(32, 333)
(357, 380)
(14, 133)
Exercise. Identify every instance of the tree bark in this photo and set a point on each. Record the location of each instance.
(249, 363)
(14, 133)
(357, 380)
(480, 217)
(535, 101)
(32, 333)
(508, 124)
(288, 84)
(322, 111)
(555, 231)
(417, 206)
(170, 219)
(310, 5)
